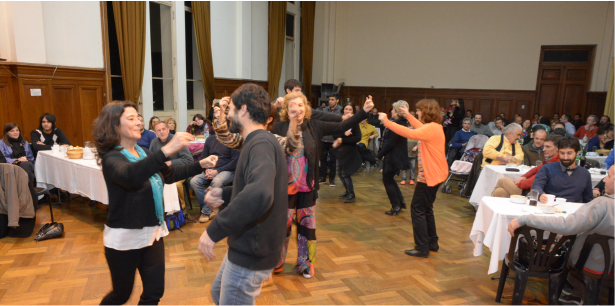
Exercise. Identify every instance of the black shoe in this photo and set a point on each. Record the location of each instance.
(322, 180)
(349, 199)
(433, 246)
(332, 182)
(403, 205)
(416, 253)
(344, 195)
(570, 300)
(394, 211)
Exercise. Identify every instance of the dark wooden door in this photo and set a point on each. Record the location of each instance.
(564, 76)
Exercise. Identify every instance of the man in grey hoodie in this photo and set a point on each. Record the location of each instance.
(593, 217)
(479, 128)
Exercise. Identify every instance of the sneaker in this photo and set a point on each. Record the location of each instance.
(332, 183)
(203, 218)
(213, 214)
(411, 182)
(570, 300)
(322, 180)
(567, 290)
(307, 275)
(403, 182)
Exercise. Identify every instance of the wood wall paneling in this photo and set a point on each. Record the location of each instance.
(91, 98)
(66, 110)
(59, 96)
(487, 102)
(595, 104)
(225, 87)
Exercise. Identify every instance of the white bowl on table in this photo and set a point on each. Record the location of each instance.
(518, 199)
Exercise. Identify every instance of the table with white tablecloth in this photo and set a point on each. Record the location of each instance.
(599, 159)
(84, 177)
(490, 175)
(491, 224)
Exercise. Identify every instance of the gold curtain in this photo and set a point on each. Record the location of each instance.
(277, 37)
(130, 26)
(307, 44)
(202, 30)
(609, 108)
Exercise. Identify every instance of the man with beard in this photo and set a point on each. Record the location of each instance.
(478, 127)
(565, 179)
(255, 216)
(506, 186)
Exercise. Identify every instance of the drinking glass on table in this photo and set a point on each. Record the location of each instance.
(594, 149)
(534, 197)
(538, 163)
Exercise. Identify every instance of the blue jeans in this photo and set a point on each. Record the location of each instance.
(235, 285)
(412, 163)
(199, 185)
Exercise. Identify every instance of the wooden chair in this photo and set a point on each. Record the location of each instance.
(536, 258)
(595, 282)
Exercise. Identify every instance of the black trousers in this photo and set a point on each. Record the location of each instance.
(123, 265)
(346, 179)
(327, 150)
(390, 185)
(29, 168)
(423, 222)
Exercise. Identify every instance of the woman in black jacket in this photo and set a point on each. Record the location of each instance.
(135, 222)
(348, 158)
(454, 118)
(305, 199)
(395, 154)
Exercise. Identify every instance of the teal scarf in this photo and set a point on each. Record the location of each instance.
(154, 180)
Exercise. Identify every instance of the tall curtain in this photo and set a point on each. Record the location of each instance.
(130, 26)
(307, 44)
(277, 37)
(202, 30)
(609, 108)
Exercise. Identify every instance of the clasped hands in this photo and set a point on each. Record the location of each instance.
(507, 159)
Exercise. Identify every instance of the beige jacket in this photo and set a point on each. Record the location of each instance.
(15, 196)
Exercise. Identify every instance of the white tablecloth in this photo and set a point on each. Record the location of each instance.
(600, 159)
(491, 224)
(84, 177)
(490, 175)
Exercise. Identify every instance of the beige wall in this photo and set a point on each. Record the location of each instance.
(468, 45)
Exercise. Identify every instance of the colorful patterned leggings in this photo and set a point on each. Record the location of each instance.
(304, 205)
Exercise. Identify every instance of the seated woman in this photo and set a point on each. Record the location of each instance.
(16, 150)
(152, 123)
(198, 125)
(171, 125)
(47, 134)
(604, 139)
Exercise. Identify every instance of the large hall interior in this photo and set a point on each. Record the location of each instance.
(490, 122)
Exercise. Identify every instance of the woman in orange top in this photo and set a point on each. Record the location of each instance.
(433, 170)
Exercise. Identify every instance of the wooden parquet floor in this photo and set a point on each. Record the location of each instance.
(360, 258)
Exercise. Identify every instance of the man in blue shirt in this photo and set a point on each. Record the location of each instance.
(566, 120)
(565, 179)
(609, 161)
(146, 135)
(460, 140)
(222, 174)
(604, 139)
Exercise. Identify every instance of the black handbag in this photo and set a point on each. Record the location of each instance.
(50, 231)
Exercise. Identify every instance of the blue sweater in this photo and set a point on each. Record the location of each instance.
(146, 139)
(461, 137)
(576, 187)
(227, 157)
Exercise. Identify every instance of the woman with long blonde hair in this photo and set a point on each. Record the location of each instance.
(433, 170)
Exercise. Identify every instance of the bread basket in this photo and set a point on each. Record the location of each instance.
(603, 152)
(74, 154)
